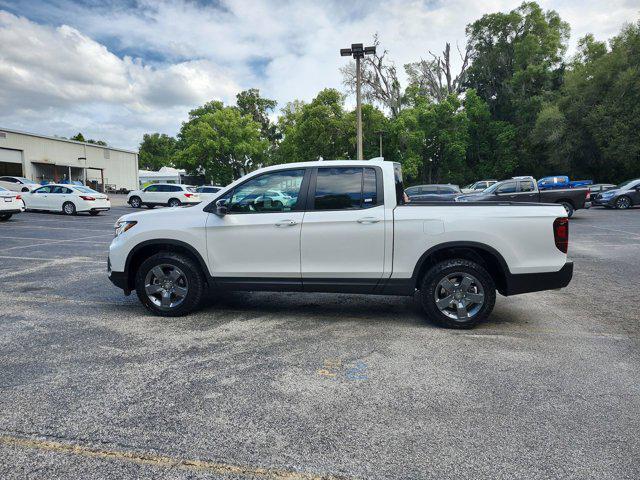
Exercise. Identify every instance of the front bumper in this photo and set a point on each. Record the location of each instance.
(119, 279)
(603, 202)
(536, 282)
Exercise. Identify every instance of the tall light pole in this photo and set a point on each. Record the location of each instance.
(358, 52)
(380, 133)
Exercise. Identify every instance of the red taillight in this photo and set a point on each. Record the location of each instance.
(188, 195)
(561, 233)
(18, 197)
(87, 198)
(588, 197)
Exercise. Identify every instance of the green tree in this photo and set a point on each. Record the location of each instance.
(491, 149)
(221, 144)
(156, 151)
(593, 125)
(80, 138)
(314, 130)
(249, 102)
(516, 58)
(432, 141)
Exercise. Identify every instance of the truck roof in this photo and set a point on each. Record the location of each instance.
(330, 163)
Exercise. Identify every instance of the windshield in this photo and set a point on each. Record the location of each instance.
(626, 184)
(191, 189)
(84, 189)
(2, 189)
(492, 188)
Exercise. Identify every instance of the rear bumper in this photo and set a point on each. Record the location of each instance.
(11, 211)
(536, 282)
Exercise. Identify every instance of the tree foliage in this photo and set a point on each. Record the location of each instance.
(156, 151)
(516, 106)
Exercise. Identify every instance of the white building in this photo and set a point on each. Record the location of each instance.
(164, 175)
(39, 158)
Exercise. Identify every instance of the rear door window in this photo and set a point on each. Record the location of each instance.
(346, 188)
(508, 187)
(526, 186)
(338, 189)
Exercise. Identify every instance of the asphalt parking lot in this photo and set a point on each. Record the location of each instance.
(263, 385)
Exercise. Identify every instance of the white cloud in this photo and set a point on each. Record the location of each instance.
(64, 77)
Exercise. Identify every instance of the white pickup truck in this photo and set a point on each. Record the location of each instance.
(341, 226)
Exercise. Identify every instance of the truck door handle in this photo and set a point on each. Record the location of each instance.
(286, 223)
(368, 220)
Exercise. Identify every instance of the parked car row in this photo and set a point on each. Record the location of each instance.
(10, 204)
(170, 194)
(68, 199)
(573, 195)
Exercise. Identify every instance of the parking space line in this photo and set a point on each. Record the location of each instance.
(105, 230)
(54, 242)
(77, 259)
(36, 238)
(36, 268)
(161, 461)
(616, 230)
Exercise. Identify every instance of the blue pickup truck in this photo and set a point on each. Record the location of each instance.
(561, 181)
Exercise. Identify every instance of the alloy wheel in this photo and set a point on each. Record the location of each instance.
(459, 295)
(166, 286)
(623, 203)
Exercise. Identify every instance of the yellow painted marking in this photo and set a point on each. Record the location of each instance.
(161, 460)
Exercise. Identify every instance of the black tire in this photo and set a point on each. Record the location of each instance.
(483, 284)
(135, 202)
(5, 216)
(174, 202)
(68, 208)
(93, 213)
(193, 277)
(623, 202)
(24, 190)
(568, 207)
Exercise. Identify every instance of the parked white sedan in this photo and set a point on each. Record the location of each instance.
(10, 203)
(68, 199)
(18, 184)
(163, 194)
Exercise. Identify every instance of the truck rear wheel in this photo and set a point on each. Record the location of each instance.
(568, 208)
(457, 293)
(170, 284)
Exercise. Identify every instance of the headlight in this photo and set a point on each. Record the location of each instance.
(122, 226)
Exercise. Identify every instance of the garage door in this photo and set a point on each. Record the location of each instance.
(10, 162)
(10, 156)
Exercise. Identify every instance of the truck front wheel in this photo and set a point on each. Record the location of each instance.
(457, 293)
(170, 284)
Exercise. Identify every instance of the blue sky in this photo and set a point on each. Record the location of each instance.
(117, 69)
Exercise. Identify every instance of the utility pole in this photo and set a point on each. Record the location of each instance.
(380, 133)
(358, 52)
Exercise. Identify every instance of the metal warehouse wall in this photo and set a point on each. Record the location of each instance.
(120, 166)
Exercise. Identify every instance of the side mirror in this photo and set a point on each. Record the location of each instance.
(221, 208)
